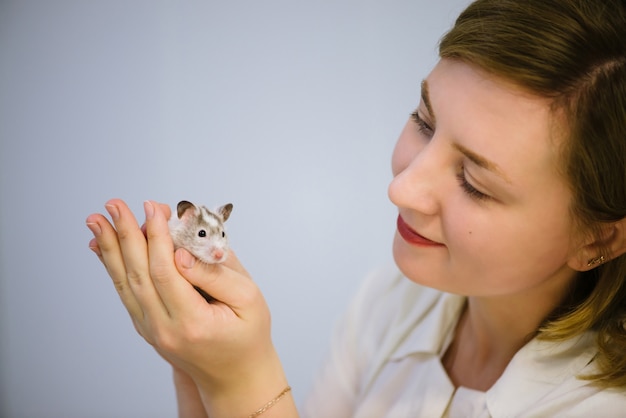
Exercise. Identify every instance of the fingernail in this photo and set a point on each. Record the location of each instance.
(94, 227)
(96, 250)
(187, 260)
(115, 214)
(149, 209)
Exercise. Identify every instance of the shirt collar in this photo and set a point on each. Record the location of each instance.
(426, 321)
(542, 369)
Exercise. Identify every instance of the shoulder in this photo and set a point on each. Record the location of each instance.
(389, 317)
(545, 379)
(386, 287)
(580, 399)
(392, 317)
(387, 299)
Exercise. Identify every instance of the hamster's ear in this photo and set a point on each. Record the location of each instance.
(610, 245)
(183, 206)
(225, 211)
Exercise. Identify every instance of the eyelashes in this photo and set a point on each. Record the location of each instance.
(425, 129)
(470, 190)
(422, 125)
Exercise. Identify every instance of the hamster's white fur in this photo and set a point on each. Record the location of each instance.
(201, 231)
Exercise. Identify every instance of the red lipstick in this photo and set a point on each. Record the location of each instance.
(413, 237)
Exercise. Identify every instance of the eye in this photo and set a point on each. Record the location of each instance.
(422, 126)
(469, 189)
(223, 234)
(202, 233)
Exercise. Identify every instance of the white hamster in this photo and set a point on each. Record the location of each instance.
(201, 231)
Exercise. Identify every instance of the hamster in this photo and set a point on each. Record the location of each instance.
(201, 231)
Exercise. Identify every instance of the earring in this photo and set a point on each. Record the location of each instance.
(595, 260)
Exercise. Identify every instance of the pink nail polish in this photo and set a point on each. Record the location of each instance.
(96, 250)
(94, 228)
(149, 209)
(115, 214)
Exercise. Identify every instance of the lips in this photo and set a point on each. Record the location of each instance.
(413, 237)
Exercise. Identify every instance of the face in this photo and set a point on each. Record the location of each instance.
(483, 210)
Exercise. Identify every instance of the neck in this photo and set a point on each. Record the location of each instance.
(498, 330)
(491, 330)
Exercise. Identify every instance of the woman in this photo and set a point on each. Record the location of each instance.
(510, 180)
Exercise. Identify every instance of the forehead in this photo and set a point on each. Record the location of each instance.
(496, 119)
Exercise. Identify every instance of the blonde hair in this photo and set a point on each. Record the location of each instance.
(574, 52)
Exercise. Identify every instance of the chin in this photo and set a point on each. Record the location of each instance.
(418, 267)
(408, 262)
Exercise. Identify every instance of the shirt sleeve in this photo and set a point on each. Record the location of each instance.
(354, 341)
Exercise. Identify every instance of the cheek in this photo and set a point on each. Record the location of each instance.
(506, 254)
(480, 240)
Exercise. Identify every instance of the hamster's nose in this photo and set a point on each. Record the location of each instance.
(217, 254)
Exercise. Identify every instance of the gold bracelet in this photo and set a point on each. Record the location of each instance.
(270, 403)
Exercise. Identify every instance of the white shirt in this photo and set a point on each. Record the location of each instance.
(385, 362)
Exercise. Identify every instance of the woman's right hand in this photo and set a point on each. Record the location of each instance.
(224, 346)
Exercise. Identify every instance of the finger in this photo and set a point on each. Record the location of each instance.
(134, 250)
(93, 246)
(173, 289)
(223, 283)
(106, 246)
(166, 211)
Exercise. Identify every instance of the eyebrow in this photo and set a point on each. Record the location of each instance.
(426, 99)
(481, 161)
(477, 159)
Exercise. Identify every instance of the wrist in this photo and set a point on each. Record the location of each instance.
(187, 396)
(259, 391)
(269, 405)
(182, 379)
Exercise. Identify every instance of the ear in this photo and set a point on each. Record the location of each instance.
(225, 211)
(183, 206)
(611, 244)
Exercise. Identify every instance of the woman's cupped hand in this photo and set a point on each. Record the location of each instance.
(224, 345)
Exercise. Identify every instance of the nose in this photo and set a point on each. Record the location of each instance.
(417, 183)
(217, 254)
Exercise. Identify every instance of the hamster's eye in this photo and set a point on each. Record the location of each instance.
(202, 233)
(223, 234)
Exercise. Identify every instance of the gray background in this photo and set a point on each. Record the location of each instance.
(287, 109)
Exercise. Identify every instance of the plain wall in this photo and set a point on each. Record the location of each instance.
(287, 109)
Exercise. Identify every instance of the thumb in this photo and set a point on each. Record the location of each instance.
(229, 285)
(233, 262)
(184, 260)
